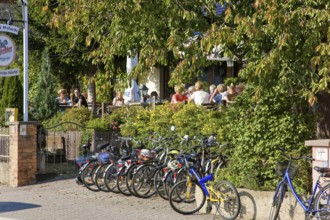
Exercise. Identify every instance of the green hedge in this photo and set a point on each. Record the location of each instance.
(254, 128)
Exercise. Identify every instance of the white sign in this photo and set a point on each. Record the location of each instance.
(9, 28)
(11, 72)
(7, 50)
(321, 154)
(22, 130)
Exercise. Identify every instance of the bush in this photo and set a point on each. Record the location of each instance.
(257, 130)
(254, 128)
(80, 116)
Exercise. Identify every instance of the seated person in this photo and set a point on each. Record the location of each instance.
(179, 95)
(200, 97)
(190, 91)
(153, 96)
(229, 95)
(212, 88)
(63, 98)
(119, 99)
(218, 94)
(79, 99)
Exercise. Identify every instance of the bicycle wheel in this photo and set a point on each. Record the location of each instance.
(110, 178)
(277, 201)
(88, 176)
(173, 177)
(121, 182)
(99, 177)
(143, 181)
(159, 183)
(322, 203)
(187, 198)
(229, 203)
(129, 178)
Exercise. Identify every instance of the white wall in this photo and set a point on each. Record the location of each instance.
(153, 81)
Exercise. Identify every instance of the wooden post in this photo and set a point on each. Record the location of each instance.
(103, 109)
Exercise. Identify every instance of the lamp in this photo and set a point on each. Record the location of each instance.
(143, 92)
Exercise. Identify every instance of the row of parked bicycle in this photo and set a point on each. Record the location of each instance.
(183, 177)
(188, 178)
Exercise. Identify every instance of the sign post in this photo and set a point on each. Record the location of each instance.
(26, 60)
(8, 50)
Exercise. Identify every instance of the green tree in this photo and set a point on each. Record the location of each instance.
(72, 55)
(44, 104)
(274, 38)
(157, 30)
(12, 96)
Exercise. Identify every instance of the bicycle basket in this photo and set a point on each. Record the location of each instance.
(281, 168)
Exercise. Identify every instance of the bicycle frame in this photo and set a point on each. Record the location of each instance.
(307, 208)
(218, 196)
(202, 181)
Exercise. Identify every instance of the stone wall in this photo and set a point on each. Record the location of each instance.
(257, 205)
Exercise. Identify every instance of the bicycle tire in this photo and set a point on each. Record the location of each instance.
(121, 182)
(182, 194)
(277, 201)
(88, 176)
(229, 204)
(129, 178)
(322, 202)
(99, 177)
(159, 183)
(110, 178)
(143, 181)
(173, 178)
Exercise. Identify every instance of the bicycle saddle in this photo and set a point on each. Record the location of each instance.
(323, 170)
(88, 145)
(102, 146)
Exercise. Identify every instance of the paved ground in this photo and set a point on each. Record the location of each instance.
(62, 199)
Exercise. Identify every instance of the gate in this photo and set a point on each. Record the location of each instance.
(58, 150)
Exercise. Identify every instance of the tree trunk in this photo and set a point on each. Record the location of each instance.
(323, 127)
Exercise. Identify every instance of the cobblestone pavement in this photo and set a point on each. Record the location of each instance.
(62, 199)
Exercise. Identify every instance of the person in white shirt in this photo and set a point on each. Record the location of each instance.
(199, 97)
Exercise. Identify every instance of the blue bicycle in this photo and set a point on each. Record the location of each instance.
(189, 196)
(318, 205)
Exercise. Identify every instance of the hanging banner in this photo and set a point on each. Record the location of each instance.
(11, 72)
(7, 50)
(9, 29)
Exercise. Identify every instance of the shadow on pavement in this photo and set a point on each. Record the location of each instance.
(15, 206)
(248, 206)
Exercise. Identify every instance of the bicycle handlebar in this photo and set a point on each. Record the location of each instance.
(299, 158)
